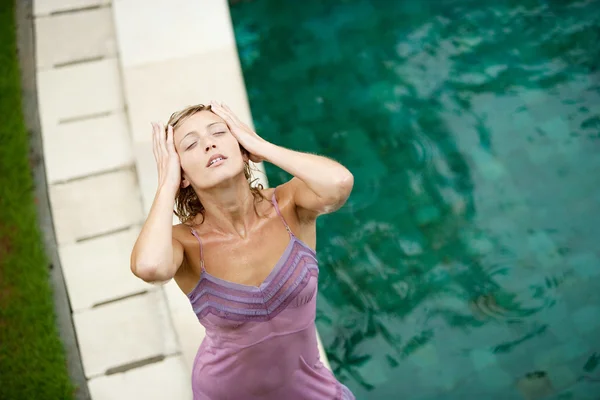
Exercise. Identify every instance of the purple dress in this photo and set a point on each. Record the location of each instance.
(261, 342)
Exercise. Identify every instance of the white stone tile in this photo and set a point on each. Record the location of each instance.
(95, 205)
(176, 220)
(98, 270)
(169, 29)
(78, 91)
(86, 147)
(123, 332)
(189, 334)
(44, 7)
(82, 36)
(189, 330)
(258, 172)
(157, 90)
(168, 379)
(322, 353)
(176, 299)
(147, 172)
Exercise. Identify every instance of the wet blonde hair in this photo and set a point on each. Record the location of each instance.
(187, 203)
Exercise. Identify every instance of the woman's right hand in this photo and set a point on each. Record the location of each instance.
(167, 159)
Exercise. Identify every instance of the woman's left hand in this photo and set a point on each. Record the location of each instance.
(245, 136)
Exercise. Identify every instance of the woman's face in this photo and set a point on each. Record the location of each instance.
(208, 152)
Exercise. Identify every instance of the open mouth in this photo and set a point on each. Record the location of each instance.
(216, 160)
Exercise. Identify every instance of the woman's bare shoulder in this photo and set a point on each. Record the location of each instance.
(181, 231)
(267, 192)
(284, 193)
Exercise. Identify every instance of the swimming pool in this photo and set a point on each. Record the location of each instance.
(466, 263)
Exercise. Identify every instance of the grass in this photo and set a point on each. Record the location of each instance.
(32, 359)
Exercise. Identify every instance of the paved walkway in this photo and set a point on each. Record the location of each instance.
(104, 71)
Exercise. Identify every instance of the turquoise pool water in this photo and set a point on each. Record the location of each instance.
(466, 264)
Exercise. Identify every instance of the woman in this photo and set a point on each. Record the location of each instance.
(244, 256)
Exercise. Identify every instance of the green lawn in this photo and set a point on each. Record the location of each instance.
(32, 360)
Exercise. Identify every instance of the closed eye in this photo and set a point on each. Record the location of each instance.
(219, 133)
(190, 146)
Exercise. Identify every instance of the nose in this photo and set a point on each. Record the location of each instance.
(211, 146)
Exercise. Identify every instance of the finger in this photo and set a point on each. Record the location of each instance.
(246, 126)
(154, 141)
(214, 106)
(223, 114)
(163, 139)
(234, 117)
(228, 110)
(220, 111)
(170, 144)
(227, 116)
(157, 146)
(230, 117)
(230, 122)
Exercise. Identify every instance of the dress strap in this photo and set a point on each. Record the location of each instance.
(201, 253)
(274, 201)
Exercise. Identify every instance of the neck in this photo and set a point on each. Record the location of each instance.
(229, 209)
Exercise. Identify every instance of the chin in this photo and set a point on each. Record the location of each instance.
(221, 176)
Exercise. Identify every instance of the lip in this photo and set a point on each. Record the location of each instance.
(218, 162)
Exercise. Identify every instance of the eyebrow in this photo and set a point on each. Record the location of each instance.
(207, 126)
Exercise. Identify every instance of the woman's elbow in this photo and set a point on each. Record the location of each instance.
(151, 273)
(345, 185)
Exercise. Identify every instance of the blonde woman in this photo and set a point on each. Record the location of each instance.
(243, 255)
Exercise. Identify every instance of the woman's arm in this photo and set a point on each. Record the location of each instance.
(157, 255)
(320, 185)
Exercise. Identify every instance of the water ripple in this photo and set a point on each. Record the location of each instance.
(487, 306)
